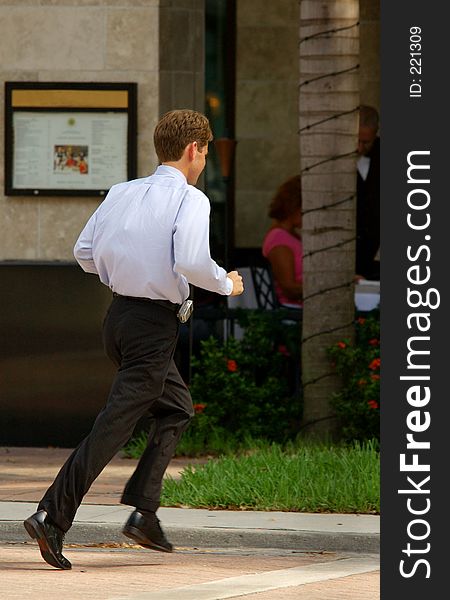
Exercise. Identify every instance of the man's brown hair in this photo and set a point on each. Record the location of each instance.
(178, 128)
(287, 199)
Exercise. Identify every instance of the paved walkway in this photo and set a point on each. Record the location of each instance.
(189, 574)
(27, 472)
(220, 554)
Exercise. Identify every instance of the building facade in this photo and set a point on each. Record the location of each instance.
(236, 60)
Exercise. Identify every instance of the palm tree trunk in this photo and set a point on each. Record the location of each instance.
(328, 118)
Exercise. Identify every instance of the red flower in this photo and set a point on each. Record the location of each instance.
(362, 382)
(283, 350)
(341, 345)
(375, 364)
(374, 377)
(232, 365)
(199, 408)
(374, 342)
(372, 403)
(361, 320)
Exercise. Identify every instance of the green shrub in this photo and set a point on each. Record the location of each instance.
(248, 387)
(358, 402)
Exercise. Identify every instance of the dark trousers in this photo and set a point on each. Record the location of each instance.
(140, 337)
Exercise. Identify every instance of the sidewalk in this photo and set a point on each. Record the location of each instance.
(25, 473)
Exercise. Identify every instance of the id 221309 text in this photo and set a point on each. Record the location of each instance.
(415, 62)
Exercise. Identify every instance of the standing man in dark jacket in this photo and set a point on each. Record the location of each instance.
(146, 241)
(368, 196)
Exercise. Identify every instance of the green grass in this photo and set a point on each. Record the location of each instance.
(301, 477)
(218, 442)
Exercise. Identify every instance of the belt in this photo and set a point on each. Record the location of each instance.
(166, 303)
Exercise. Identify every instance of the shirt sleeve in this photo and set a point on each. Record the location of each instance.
(229, 286)
(83, 247)
(191, 246)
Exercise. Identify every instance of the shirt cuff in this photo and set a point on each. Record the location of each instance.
(229, 286)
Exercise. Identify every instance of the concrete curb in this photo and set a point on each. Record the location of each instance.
(208, 537)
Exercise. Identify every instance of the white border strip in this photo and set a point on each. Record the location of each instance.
(232, 587)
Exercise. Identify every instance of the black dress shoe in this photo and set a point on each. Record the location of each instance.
(144, 528)
(49, 537)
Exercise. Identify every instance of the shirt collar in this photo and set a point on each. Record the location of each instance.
(167, 171)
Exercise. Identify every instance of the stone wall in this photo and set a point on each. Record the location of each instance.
(369, 47)
(182, 55)
(79, 41)
(267, 75)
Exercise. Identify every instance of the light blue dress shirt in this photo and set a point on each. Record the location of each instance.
(150, 237)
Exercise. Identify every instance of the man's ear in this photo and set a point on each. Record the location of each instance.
(192, 150)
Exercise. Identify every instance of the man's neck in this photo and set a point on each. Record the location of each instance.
(179, 165)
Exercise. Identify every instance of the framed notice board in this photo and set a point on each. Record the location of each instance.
(69, 139)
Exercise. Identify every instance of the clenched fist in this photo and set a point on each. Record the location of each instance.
(238, 285)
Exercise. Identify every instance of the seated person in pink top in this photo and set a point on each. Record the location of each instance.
(282, 244)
